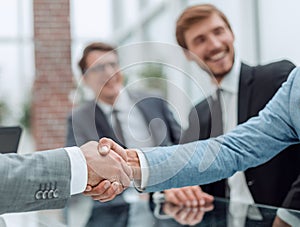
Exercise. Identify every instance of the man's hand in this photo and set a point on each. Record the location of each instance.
(106, 145)
(104, 191)
(134, 162)
(187, 215)
(191, 196)
(112, 166)
(278, 222)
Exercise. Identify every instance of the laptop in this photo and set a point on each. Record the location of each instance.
(9, 139)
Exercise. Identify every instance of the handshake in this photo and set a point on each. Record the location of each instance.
(110, 169)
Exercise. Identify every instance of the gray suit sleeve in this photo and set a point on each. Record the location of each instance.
(34, 181)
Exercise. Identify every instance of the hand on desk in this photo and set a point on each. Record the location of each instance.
(187, 215)
(191, 196)
(108, 173)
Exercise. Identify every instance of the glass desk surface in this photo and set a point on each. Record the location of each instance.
(220, 213)
(224, 213)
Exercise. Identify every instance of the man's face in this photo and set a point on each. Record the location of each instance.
(103, 75)
(212, 42)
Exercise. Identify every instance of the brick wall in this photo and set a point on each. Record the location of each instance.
(53, 72)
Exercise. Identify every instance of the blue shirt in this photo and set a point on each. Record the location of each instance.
(276, 127)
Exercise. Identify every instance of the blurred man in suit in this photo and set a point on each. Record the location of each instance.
(134, 119)
(241, 91)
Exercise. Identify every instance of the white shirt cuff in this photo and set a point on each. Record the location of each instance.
(79, 172)
(288, 217)
(140, 185)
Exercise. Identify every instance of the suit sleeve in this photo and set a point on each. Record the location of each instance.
(35, 181)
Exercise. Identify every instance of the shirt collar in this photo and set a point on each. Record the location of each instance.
(106, 108)
(230, 82)
(121, 104)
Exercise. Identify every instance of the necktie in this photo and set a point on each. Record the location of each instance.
(117, 127)
(216, 116)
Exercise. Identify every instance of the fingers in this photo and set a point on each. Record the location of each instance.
(184, 215)
(171, 209)
(187, 196)
(200, 198)
(123, 175)
(189, 216)
(194, 216)
(192, 195)
(105, 145)
(207, 207)
(88, 188)
(112, 166)
(175, 196)
(99, 189)
(134, 162)
(105, 191)
(207, 198)
(115, 189)
(133, 158)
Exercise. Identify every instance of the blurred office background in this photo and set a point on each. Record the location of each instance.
(42, 40)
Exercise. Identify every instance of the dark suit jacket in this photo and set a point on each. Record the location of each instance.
(270, 182)
(89, 122)
(292, 201)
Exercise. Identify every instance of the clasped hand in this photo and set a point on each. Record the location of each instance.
(110, 169)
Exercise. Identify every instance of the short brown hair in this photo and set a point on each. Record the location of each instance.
(92, 47)
(192, 15)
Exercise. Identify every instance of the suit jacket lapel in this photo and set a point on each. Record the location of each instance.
(245, 91)
(146, 112)
(103, 127)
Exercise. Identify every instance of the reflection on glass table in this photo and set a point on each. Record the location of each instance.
(224, 213)
(220, 213)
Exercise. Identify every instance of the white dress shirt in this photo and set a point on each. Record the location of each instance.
(238, 188)
(239, 191)
(134, 127)
(79, 175)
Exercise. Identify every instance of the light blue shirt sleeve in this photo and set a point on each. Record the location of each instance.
(79, 175)
(248, 145)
